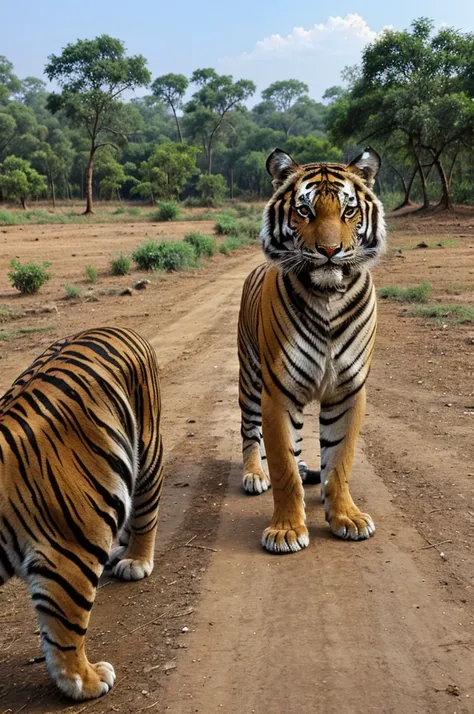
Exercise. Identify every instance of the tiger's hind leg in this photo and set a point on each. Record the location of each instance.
(62, 582)
(133, 560)
(339, 428)
(255, 480)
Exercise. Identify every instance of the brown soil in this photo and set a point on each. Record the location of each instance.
(384, 626)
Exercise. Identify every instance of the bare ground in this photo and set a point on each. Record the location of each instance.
(384, 626)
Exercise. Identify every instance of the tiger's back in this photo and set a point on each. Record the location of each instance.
(80, 462)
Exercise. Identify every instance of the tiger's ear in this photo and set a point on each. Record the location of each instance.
(280, 166)
(366, 166)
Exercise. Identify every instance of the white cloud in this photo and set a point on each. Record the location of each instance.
(316, 56)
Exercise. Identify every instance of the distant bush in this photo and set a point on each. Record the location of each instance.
(463, 192)
(232, 243)
(212, 189)
(72, 291)
(91, 273)
(167, 211)
(7, 218)
(28, 277)
(120, 265)
(414, 293)
(177, 256)
(148, 256)
(118, 211)
(225, 224)
(458, 314)
(249, 227)
(204, 245)
(134, 211)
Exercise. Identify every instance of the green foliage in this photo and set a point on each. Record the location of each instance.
(148, 256)
(225, 224)
(414, 293)
(212, 189)
(442, 313)
(166, 172)
(120, 265)
(18, 181)
(167, 211)
(28, 277)
(177, 256)
(248, 227)
(7, 335)
(463, 192)
(232, 243)
(72, 292)
(91, 273)
(204, 245)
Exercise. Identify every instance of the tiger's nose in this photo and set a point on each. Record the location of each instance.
(329, 250)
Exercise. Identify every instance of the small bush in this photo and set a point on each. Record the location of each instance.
(7, 218)
(72, 292)
(248, 227)
(177, 256)
(167, 211)
(91, 273)
(415, 293)
(134, 211)
(148, 256)
(120, 265)
(28, 277)
(118, 211)
(225, 224)
(232, 243)
(204, 245)
(212, 189)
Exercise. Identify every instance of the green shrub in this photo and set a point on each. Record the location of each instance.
(28, 277)
(120, 265)
(204, 245)
(134, 211)
(232, 243)
(72, 291)
(248, 227)
(177, 256)
(225, 224)
(415, 293)
(118, 211)
(7, 218)
(167, 211)
(91, 273)
(212, 189)
(148, 256)
(457, 314)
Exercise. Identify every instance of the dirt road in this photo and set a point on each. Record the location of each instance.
(384, 626)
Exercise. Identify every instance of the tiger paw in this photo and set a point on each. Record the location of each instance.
(278, 539)
(97, 680)
(256, 482)
(352, 525)
(120, 566)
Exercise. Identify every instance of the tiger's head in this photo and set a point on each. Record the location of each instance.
(323, 221)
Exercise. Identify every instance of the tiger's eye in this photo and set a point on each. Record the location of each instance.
(303, 211)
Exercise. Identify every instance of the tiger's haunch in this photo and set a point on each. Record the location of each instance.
(306, 333)
(80, 464)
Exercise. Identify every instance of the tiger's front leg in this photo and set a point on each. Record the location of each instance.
(339, 429)
(287, 532)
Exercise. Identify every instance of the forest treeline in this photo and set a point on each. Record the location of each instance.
(196, 139)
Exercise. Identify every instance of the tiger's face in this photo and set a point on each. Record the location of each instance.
(323, 220)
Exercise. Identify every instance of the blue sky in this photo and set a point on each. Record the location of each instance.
(255, 39)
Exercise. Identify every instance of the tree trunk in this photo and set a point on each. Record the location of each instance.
(231, 184)
(177, 124)
(23, 202)
(407, 189)
(53, 193)
(419, 167)
(90, 169)
(445, 201)
(209, 160)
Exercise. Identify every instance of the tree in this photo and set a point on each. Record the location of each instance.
(93, 74)
(285, 93)
(171, 88)
(9, 82)
(212, 189)
(18, 181)
(166, 172)
(210, 105)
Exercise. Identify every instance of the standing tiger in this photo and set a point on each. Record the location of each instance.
(306, 332)
(80, 463)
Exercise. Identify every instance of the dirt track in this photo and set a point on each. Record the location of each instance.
(377, 627)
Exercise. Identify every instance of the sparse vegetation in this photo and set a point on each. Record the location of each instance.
(148, 256)
(6, 335)
(120, 265)
(204, 245)
(232, 243)
(28, 277)
(414, 293)
(177, 256)
(442, 313)
(167, 211)
(91, 273)
(72, 292)
(225, 224)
